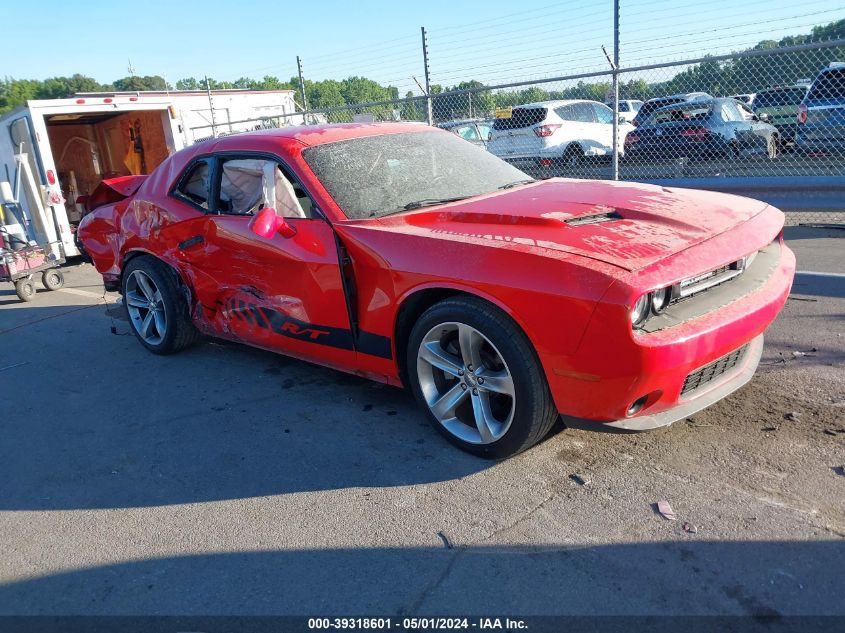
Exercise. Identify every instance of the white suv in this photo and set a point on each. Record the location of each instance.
(555, 133)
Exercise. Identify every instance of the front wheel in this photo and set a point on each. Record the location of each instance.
(477, 376)
(156, 307)
(25, 289)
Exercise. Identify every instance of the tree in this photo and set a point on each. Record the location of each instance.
(135, 84)
(187, 84)
(412, 110)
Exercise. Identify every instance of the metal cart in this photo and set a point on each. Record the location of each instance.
(19, 267)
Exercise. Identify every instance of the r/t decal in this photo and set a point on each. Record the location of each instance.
(270, 319)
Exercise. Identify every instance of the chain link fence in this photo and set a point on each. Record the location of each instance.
(766, 122)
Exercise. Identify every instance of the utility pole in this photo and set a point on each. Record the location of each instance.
(211, 107)
(301, 85)
(615, 89)
(429, 109)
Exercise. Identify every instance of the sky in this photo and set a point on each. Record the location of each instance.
(493, 41)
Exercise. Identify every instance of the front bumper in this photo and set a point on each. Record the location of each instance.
(614, 368)
(702, 398)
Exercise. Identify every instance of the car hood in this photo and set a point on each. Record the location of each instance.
(629, 225)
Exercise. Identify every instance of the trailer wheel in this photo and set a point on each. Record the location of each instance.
(52, 279)
(25, 289)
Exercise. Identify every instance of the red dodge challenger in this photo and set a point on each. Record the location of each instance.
(406, 255)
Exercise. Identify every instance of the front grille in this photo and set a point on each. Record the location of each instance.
(702, 376)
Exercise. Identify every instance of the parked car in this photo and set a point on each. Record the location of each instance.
(821, 115)
(552, 133)
(747, 98)
(628, 108)
(702, 129)
(476, 131)
(401, 253)
(660, 102)
(779, 106)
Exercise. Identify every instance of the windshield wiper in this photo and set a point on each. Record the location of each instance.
(516, 183)
(430, 202)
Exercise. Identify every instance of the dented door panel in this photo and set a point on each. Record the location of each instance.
(280, 294)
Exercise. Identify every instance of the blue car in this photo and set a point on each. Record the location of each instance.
(821, 115)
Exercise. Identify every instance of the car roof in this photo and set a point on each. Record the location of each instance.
(780, 88)
(683, 95)
(320, 134)
(554, 103)
(455, 123)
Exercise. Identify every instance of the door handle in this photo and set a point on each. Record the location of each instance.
(191, 241)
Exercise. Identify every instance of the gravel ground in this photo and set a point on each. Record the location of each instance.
(227, 480)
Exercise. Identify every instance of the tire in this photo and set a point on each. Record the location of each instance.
(25, 289)
(52, 279)
(772, 147)
(573, 156)
(733, 151)
(156, 306)
(516, 413)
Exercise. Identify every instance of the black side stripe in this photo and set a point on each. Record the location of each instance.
(341, 338)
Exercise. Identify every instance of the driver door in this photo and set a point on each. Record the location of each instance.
(277, 293)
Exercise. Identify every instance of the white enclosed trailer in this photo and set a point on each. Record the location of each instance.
(54, 151)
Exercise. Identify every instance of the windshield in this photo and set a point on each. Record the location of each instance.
(788, 96)
(650, 106)
(829, 85)
(692, 112)
(379, 175)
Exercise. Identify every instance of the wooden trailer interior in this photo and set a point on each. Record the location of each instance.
(88, 148)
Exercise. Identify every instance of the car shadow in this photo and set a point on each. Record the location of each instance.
(92, 420)
(818, 285)
(766, 581)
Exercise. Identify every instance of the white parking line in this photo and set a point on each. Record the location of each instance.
(813, 273)
(89, 294)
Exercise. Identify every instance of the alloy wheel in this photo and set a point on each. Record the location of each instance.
(145, 307)
(466, 383)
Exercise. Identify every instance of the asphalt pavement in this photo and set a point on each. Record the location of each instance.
(226, 480)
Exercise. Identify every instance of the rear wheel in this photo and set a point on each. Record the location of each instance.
(772, 147)
(52, 279)
(156, 306)
(573, 156)
(477, 376)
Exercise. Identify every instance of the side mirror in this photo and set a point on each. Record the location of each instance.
(266, 224)
(764, 117)
(621, 119)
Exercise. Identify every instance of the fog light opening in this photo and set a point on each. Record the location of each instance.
(636, 406)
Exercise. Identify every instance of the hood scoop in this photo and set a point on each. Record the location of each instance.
(597, 218)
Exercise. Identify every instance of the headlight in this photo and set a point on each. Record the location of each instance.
(639, 313)
(660, 299)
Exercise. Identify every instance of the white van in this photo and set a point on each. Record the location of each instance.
(55, 151)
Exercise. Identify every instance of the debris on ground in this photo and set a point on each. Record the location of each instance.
(581, 480)
(689, 527)
(769, 429)
(802, 299)
(792, 416)
(665, 510)
(834, 432)
(800, 353)
(695, 424)
(446, 542)
(839, 470)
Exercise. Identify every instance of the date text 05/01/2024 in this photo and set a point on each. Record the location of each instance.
(416, 624)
